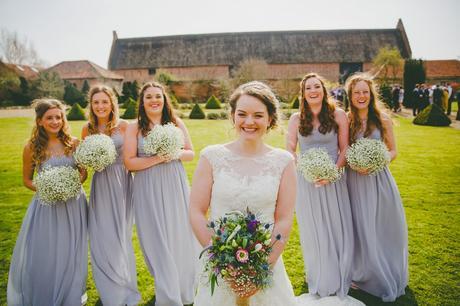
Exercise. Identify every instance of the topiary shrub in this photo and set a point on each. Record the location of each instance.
(131, 109)
(385, 94)
(197, 112)
(432, 116)
(212, 116)
(223, 115)
(76, 113)
(295, 103)
(174, 101)
(213, 103)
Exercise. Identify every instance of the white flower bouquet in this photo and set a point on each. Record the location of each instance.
(96, 152)
(56, 184)
(164, 140)
(315, 164)
(370, 155)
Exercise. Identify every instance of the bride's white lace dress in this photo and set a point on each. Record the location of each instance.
(240, 182)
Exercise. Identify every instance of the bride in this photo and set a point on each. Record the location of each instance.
(247, 173)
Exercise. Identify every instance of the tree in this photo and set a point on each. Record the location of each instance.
(388, 60)
(164, 77)
(250, 70)
(135, 90)
(72, 95)
(85, 88)
(19, 51)
(414, 73)
(49, 84)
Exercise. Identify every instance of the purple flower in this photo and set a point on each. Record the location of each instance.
(252, 226)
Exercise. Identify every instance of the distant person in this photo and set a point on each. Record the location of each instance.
(416, 100)
(401, 98)
(437, 95)
(451, 97)
(395, 98)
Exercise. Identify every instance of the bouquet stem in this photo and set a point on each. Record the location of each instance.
(242, 301)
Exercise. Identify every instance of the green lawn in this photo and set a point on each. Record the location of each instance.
(427, 171)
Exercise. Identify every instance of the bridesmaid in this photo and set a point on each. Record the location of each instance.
(110, 216)
(49, 262)
(161, 201)
(323, 209)
(380, 260)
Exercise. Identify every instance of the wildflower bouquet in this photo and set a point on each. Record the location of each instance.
(239, 253)
(56, 184)
(96, 152)
(315, 164)
(164, 140)
(368, 154)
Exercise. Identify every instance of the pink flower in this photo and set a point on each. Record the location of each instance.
(242, 255)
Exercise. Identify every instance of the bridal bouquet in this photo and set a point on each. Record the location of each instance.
(239, 253)
(96, 152)
(164, 140)
(315, 164)
(56, 184)
(368, 154)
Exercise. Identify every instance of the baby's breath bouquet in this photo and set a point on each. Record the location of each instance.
(96, 152)
(164, 140)
(239, 253)
(315, 164)
(370, 155)
(57, 184)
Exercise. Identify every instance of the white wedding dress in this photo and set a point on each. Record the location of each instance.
(243, 182)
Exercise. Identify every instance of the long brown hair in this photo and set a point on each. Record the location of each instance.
(374, 115)
(113, 117)
(325, 116)
(39, 139)
(167, 114)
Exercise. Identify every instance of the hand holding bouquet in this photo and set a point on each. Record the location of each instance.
(239, 253)
(166, 141)
(368, 156)
(56, 184)
(315, 165)
(96, 152)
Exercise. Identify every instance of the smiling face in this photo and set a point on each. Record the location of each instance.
(314, 91)
(251, 118)
(101, 105)
(153, 101)
(361, 95)
(52, 121)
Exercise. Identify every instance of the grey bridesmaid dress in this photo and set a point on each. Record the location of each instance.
(161, 204)
(325, 225)
(50, 259)
(380, 264)
(110, 222)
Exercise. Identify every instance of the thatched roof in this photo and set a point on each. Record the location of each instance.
(283, 47)
(72, 70)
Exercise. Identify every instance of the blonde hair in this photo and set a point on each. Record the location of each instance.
(262, 92)
(113, 117)
(374, 115)
(39, 139)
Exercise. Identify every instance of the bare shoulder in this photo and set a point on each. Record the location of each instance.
(122, 124)
(132, 127)
(295, 118)
(28, 148)
(180, 123)
(340, 115)
(386, 119)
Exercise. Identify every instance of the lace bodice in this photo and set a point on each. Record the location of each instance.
(240, 182)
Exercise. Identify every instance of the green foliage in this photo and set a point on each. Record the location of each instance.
(250, 70)
(223, 115)
(414, 73)
(197, 112)
(213, 103)
(85, 88)
(49, 85)
(390, 61)
(385, 94)
(213, 116)
(135, 90)
(432, 115)
(130, 90)
(131, 109)
(174, 101)
(76, 113)
(164, 77)
(72, 95)
(295, 103)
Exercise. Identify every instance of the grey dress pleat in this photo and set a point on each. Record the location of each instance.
(325, 225)
(380, 262)
(161, 203)
(50, 259)
(110, 222)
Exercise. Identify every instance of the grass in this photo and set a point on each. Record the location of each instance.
(427, 171)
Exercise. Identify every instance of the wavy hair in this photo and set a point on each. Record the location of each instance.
(167, 114)
(39, 139)
(113, 117)
(325, 116)
(374, 115)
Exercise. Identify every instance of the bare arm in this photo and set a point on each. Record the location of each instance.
(132, 162)
(291, 137)
(200, 198)
(28, 168)
(390, 137)
(84, 131)
(284, 211)
(187, 153)
(342, 134)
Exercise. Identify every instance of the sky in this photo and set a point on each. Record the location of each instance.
(63, 30)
